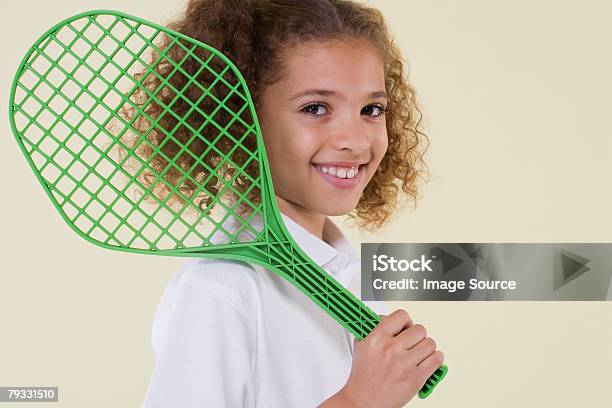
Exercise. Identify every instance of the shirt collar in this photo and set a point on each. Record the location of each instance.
(334, 253)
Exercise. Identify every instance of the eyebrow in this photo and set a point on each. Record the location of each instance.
(326, 92)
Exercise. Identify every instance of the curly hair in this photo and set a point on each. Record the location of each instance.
(254, 35)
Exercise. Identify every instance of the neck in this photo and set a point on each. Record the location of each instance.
(311, 221)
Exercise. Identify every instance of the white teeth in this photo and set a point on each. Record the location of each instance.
(340, 172)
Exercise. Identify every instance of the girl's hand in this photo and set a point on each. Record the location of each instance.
(389, 366)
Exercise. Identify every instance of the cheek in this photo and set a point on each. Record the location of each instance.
(274, 140)
(380, 146)
(288, 150)
(285, 141)
(298, 146)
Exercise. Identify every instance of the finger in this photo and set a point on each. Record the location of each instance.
(421, 351)
(407, 324)
(411, 336)
(394, 323)
(431, 364)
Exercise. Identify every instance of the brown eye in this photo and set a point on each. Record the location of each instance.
(314, 109)
(373, 110)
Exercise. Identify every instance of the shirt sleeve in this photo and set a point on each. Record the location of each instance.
(205, 350)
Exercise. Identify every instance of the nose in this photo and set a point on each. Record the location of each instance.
(351, 134)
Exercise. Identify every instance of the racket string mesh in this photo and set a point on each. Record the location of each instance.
(145, 140)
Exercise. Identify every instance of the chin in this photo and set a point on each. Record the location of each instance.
(339, 209)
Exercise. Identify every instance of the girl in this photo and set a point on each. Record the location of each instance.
(339, 121)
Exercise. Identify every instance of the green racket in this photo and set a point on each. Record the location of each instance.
(94, 109)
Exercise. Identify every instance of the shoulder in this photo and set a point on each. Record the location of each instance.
(230, 281)
(223, 274)
(208, 291)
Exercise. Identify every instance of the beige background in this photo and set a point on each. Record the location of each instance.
(517, 96)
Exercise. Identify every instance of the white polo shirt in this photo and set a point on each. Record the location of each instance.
(232, 334)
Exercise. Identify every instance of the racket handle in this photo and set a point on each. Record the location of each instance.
(432, 381)
(335, 299)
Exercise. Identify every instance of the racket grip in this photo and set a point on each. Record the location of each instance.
(432, 381)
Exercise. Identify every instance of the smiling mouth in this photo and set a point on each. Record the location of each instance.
(340, 169)
(341, 177)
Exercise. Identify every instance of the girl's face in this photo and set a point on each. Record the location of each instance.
(324, 126)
